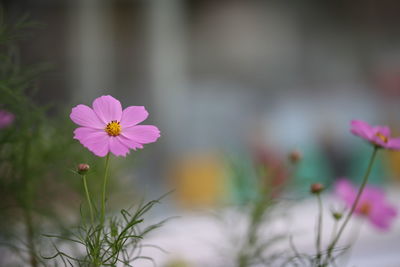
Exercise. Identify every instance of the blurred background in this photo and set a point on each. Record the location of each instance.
(219, 75)
(229, 83)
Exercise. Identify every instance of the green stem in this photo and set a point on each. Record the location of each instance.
(96, 261)
(27, 200)
(103, 199)
(334, 229)
(30, 233)
(360, 191)
(88, 199)
(259, 209)
(319, 229)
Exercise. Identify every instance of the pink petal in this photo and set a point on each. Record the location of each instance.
(345, 190)
(133, 115)
(107, 108)
(373, 194)
(394, 143)
(117, 147)
(362, 129)
(85, 116)
(382, 215)
(93, 139)
(377, 140)
(383, 130)
(142, 134)
(6, 118)
(83, 133)
(129, 143)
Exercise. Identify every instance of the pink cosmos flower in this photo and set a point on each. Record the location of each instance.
(6, 118)
(377, 135)
(372, 203)
(107, 128)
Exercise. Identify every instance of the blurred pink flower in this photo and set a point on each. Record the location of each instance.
(6, 118)
(372, 203)
(377, 135)
(107, 128)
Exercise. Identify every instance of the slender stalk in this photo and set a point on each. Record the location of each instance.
(96, 260)
(30, 233)
(26, 201)
(360, 191)
(260, 207)
(296, 251)
(103, 199)
(319, 228)
(256, 217)
(334, 230)
(88, 199)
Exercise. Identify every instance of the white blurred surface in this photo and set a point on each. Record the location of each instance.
(199, 239)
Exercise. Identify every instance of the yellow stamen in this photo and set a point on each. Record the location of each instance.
(113, 128)
(365, 208)
(385, 139)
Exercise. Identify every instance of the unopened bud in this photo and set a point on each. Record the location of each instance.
(295, 156)
(316, 188)
(83, 168)
(337, 215)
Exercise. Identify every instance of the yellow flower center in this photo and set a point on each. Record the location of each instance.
(365, 208)
(382, 137)
(113, 128)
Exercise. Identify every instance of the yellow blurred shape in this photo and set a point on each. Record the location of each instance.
(177, 263)
(199, 180)
(394, 166)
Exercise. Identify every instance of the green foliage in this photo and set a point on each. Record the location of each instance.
(18, 143)
(34, 151)
(119, 240)
(38, 150)
(258, 200)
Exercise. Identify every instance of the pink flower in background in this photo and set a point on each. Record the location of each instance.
(372, 203)
(377, 135)
(107, 128)
(6, 118)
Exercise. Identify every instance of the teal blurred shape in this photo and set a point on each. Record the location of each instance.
(313, 168)
(360, 157)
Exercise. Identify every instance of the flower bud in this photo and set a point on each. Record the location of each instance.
(83, 168)
(337, 215)
(316, 188)
(295, 156)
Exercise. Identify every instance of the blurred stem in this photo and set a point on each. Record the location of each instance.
(26, 201)
(88, 199)
(334, 229)
(257, 214)
(30, 234)
(360, 191)
(319, 228)
(103, 199)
